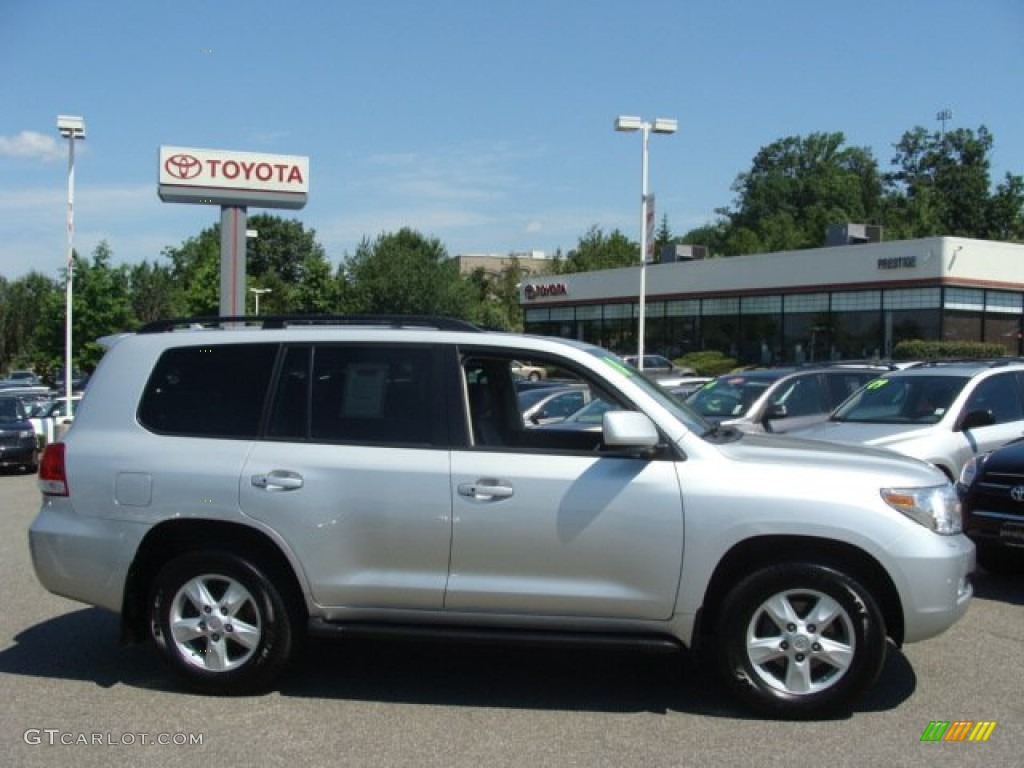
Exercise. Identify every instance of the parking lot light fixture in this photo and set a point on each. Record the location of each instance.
(629, 123)
(257, 292)
(71, 128)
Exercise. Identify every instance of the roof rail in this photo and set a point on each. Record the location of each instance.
(978, 362)
(271, 322)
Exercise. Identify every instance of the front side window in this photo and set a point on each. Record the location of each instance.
(1000, 396)
(211, 391)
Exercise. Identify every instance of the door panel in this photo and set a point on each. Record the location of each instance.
(370, 525)
(564, 535)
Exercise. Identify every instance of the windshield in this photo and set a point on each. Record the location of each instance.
(902, 399)
(690, 418)
(729, 397)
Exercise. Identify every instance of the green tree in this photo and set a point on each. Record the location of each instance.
(101, 306)
(195, 267)
(596, 250)
(942, 186)
(22, 304)
(284, 257)
(405, 273)
(796, 188)
(153, 292)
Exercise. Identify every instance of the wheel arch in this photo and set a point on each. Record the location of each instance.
(762, 551)
(176, 537)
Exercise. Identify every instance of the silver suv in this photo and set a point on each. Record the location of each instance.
(226, 489)
(945, 413)
(779, 399)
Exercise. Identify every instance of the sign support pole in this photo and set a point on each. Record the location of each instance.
(232, 260)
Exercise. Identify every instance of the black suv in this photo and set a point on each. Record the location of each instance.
(992, 491)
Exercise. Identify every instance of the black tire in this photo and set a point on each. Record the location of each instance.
(534, 376)
(220, 623)
(785, 661)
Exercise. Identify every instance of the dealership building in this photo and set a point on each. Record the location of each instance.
(845, 301)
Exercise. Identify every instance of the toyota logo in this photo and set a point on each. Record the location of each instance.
(1017, 493)
(183, 166)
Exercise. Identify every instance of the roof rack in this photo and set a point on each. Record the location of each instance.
(276, 322)
(977, 362)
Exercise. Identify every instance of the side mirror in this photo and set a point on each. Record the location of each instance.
(775, 411)
(629, 429)
(975, 419)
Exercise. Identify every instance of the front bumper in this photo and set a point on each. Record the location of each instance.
(936, 589)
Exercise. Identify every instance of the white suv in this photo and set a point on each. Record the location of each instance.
(945, 413)
(225, 489)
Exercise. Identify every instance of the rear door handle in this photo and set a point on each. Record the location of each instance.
(485, 490)
(278, 480)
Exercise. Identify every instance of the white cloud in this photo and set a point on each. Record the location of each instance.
(31, 145)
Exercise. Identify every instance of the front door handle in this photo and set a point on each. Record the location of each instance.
(278, 480)
(486, 489)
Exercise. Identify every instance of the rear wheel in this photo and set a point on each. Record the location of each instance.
(800, 641)
(220, 624)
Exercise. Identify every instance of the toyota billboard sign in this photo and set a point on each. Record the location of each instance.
(222, 177)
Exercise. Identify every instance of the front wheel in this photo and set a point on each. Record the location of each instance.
(219, 623)
(800, 641)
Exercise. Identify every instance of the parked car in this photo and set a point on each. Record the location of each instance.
(552, 404)
(778, 399)
(22, 379)
(49, 413)
(944, 413)
(226, 489)
(657, 364)
(526, 371)
(991, 488)
(18, 446)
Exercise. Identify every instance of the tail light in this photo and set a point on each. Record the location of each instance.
(53, 479)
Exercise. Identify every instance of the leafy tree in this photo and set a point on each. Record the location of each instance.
(497, 297)
(100, 307)
(405, 273)
(284, 257)
(596, 250)
(796, 188)
(195, 267)
(942, 187)
(153, 292)
(21, 307)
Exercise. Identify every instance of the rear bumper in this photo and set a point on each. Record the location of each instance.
(82, 558)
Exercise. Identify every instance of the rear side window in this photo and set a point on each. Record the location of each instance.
(357, 393)
(216, 391)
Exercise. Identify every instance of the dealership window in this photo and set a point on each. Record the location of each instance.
(589, 324)
(720, 325)
(760, 325)
(857, 335)
(911, 298)
(1003, 320)
(856, 301)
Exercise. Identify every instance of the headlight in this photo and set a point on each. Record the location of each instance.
(936, 507)
(25, 433)
(971, 470)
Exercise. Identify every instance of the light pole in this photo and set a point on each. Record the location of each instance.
(71, 128)
(659, 125)
(257, 292)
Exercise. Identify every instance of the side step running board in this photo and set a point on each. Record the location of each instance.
(495, 635)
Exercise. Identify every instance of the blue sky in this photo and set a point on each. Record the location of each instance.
(488, 125)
